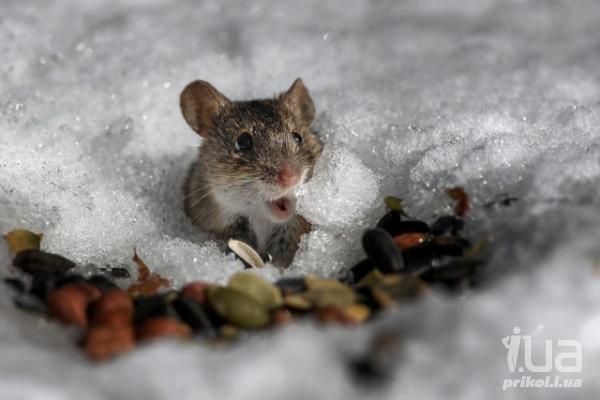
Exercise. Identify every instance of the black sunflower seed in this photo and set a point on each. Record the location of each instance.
(358, 271)
(43, 282)
(119, 272)
(380, 248)
(67, 279)
(15, 284)
(390, 222)
(291, 285)
(447, 224)
(37, 261)
(194, 315)
(101, 282)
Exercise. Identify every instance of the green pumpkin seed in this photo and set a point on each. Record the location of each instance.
(239, 308)
(402, 287)
(297, 302)
(324, 292)
(258, 288)
(373, 278)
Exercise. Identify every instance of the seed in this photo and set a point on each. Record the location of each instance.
(239, 308)
(373, 278)
(449, 245)
(396, 288)
(160, 327)
(323, 292)
(67, 279)
(360, 270)
(380, 247)
(246, 253)
(147, 307)
(297, 302)
(69, 303)
(357, 313)
(331, 314)
(193, 315)
(447, 224)
(390, 222)
(29, 304)
(229, 331)
(102, 282)
(36, 261)
(454, 270)
(258, 288)
(407, 240)
(16, 284)
(291, 285)
(42, 283)
(119, 272)
(413, 226)
(195, 291)
(103, 342)
(115, 307)
(282, 317)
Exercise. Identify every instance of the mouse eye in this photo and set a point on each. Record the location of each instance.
(243, 142)
(297, 137)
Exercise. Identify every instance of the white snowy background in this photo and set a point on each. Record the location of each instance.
(500, 97)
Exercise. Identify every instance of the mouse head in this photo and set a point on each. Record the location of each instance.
(255, 153)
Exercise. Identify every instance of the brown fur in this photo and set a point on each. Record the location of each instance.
(243, 180)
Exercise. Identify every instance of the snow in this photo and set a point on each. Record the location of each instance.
(500, 97)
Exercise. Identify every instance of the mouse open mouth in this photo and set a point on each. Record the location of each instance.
(281, 208)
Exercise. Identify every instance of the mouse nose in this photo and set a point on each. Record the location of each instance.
(287, 176)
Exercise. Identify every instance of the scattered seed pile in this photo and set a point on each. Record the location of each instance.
(404, 257)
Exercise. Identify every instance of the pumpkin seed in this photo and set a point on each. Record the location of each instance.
(239, 308)
(324, 292)
(357, 313)
(401, 287)
(258, 288)
(373, 278)
(246, 253)
(297, 302)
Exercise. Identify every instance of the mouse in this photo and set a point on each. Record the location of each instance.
(253, 157)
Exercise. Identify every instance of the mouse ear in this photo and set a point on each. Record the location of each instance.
(200, 102)
(298, 101)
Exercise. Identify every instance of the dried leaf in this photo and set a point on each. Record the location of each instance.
(143, 270)
(22, 239)
(395, 203)
(147, 283)
(462, 200)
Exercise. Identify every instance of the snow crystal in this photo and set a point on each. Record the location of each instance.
(500, 97)
(342, 192)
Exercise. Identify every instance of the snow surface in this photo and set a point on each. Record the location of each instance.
(500, 97)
